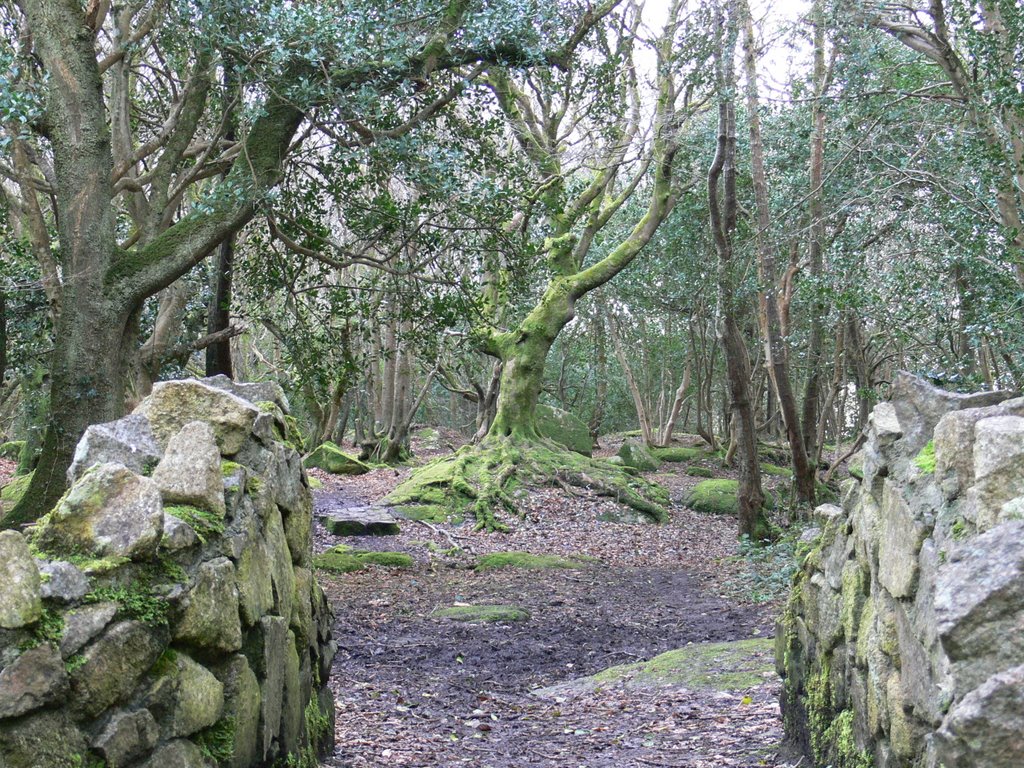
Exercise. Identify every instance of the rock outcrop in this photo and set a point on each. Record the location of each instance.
(902, 643)
(164, 613)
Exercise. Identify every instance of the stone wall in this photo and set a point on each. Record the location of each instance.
(902, 643)
(165, 613)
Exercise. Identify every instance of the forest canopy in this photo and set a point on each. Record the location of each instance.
(700, 217)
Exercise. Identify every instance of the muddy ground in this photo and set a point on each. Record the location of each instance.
(413, 689)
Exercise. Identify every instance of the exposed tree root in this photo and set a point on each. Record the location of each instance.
(481, 481)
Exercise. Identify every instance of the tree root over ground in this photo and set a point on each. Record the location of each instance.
(481, 481)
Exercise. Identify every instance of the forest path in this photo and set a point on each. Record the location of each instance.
(414, 689)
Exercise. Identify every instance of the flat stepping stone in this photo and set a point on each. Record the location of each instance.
(489, 614)
(359, 521)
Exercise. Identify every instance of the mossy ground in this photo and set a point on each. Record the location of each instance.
(733, 666)
(777, 471)
(699, 471)
(529, 561)
(345, 559)
(483, 613)
(479, 481)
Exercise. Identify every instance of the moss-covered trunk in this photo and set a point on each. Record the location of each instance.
(523, 354)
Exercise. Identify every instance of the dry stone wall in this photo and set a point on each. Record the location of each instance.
(902, 644)
(165, 613)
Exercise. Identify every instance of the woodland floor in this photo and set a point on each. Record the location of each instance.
(416, 690)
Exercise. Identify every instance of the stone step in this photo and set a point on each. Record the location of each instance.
(359, 521)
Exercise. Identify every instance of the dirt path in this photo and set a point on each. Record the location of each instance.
(416, 690)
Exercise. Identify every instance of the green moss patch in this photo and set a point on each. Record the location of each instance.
(203, 522)
(678, 454)
(345, 559)
(731, 666)
(718, 497)
(11, 450)
(330, 458)
(12, 492)
(483, 613)
(529, 561)
(699, 471)
(715, 497)
(777, 471)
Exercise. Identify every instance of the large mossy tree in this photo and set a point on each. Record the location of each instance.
(593, 144)
(120, 123)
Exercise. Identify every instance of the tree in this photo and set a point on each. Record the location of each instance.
(301, 58)
(722, 200)
(575, 209)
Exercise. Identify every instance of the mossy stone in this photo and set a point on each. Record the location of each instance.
(489, 614)
(330, 458)
(731, 666)
(638, 456)
(344, 559)
(11, 493)
(699, 471)
(678, 454)
(46, 739)
(529, 561)
(564, 428)
(715, 497)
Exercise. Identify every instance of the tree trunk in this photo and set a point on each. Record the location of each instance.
(721, 185)
(775, 351)
(218, 355)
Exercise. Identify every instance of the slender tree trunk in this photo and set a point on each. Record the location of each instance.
(816, 245)
(642, 414)
(775, 351)
(677, 406)
(722, 205)
(600, 368)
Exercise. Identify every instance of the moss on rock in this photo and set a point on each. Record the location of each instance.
(718, 497)
(330, 458)
(564, 428)
(483, 613)
(529, 561)
(678, 454)
(345, 559)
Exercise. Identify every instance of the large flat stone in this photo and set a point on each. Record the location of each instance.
(173, 404)
(129, 441)
(901, 537)
(190, 471)
(979, 604)
(109, 512)
(359, 521)
(35, 679)
(210, 619)
(986, 728)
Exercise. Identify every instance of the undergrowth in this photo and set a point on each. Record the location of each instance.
(764, 571)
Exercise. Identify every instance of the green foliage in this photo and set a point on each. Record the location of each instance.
(135, 601)
(925, 459)
(202, 521)
(764, 570)
(48, 629)
(217, 743)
